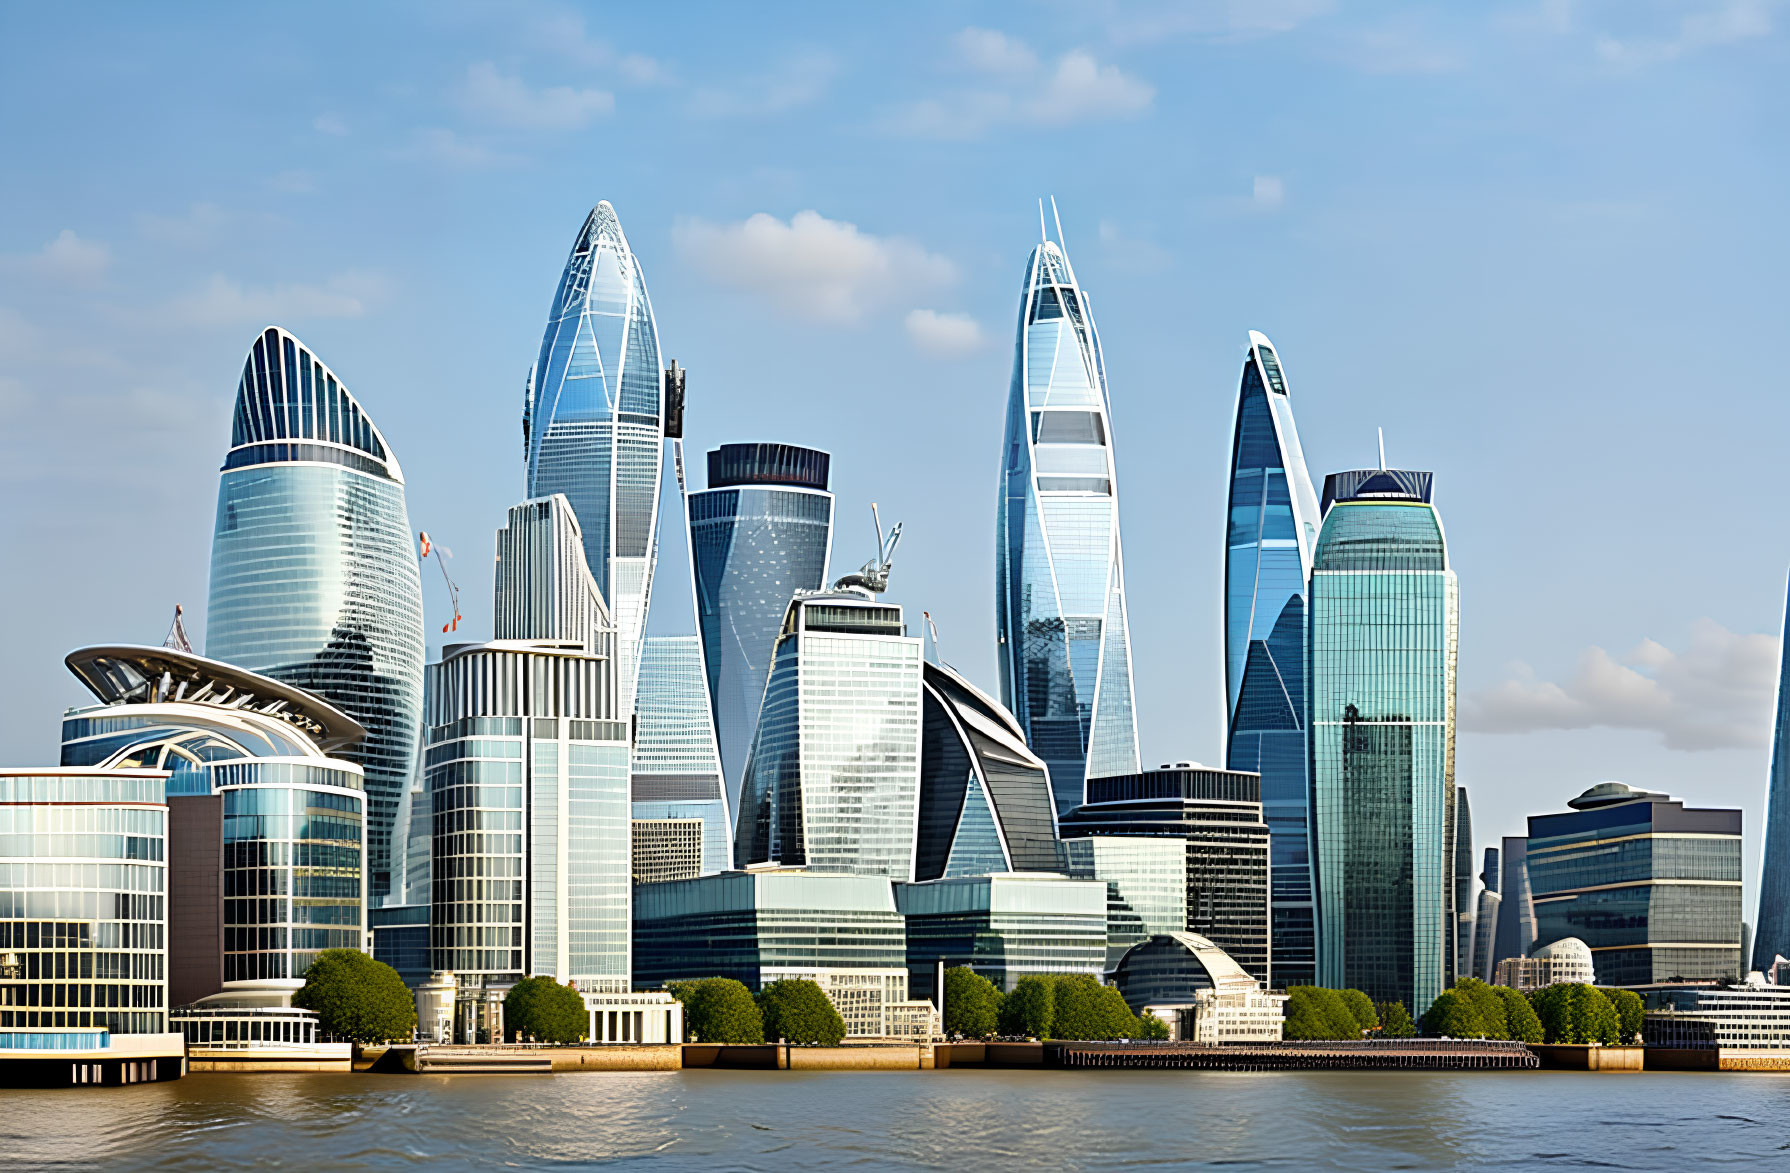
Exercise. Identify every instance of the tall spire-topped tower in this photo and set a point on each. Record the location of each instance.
(594, 421)
(1065, 646)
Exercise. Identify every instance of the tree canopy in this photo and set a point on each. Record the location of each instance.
(1519, 1016)
(1395, 1021)
(972, 1004)
(1488, 1007)
(719, 1010)
(798, 1011)
(1361, 1008)
(1572, 1012)
(1631, 1012)
(1453, 1015)
(1314, 1012)
(542, 1010)
(357, 998)
(1031, 1008)
(1151, 1027)
(1087, 1010)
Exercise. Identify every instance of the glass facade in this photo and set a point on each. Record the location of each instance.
(833, 781)
(1771, 931)
(83, 904)
(1003, 927)
(1383, 629)
(1653, 887)
(759, 533)
(1271, 527)
(314, 579)
(1064, 644)
(593, 428)
(401, 940)
(677, 774)
(1463, 883)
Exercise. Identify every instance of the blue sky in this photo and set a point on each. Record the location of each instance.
(1541, 244)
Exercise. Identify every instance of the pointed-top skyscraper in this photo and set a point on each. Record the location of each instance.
(593, 423)
(1271, 527)
(1064, 644)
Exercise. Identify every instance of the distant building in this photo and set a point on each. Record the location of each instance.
(1740, 1027)
(1514, 935)
(1565, 960)
(667, 849)
(1485, 919)
(1462, 835)
(759, 533)
(83, 928)
(1385, 620)
(1652, 886)
(1771, 934)
(1003, 927)
(1217, 816)
(676, 772)
(1195, 987)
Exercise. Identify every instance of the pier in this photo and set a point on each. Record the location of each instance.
(1366, 1055)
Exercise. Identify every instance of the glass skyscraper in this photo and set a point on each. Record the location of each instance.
(1385, 618)
(1064, 644)
(593, 425)
(758, 534)
(314, 578)
(677, 774)
(1771, 933)
(1272, 525)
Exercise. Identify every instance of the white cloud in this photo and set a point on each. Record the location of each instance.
(1716, 694)
(1131, 22)
(68, 258)
(329, 124)
(294, 180)
(200, 226)
(436, 144)
(1399, 47)
(1710, 25)
(810, 266)
(797, 82)
(1020, 90)
(1131, 250)
(496, 98)
(18, 338)
(945, 335)
(1268, 191)
(223, 301)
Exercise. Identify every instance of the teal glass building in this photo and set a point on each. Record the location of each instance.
(1383, 632)
(1271, 528)
(1064, 644)
(314, 579)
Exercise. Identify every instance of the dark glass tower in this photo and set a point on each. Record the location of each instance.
(1771, 933)
(1271, 526)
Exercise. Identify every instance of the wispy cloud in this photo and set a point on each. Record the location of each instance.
(943, 335)
(491, 96)
(1014, 87)
(1709, 25)
(224, 301)
(1716, 694)
(798, 82)
(1128, 22)
(329, 124)
(810, 266)
(202, 225)
(67, 258)
(437, 144)
(1268, 192)
(562, 32)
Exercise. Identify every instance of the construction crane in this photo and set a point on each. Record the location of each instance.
(873, 576)
(429, 548)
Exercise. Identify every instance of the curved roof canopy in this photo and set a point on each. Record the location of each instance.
(1609, 793)
(124, 674)
(1220, 969)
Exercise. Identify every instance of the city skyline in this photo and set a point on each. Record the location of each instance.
(1312, 231)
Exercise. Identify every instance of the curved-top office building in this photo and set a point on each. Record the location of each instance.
(1065, 646)
(759, 533)
(314, 578)
(1271, 526)
(593, 424)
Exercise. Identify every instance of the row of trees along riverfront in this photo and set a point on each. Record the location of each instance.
(1042, 1006)
(1570, 1012)
(722, 1010)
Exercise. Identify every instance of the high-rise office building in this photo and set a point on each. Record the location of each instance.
(833, 780)
(1064, 643)
(985, 800)
(593, 424)
(265, 824)
(759, 533)
(528, 779)
(1217, 815)
(1651, 885)
(1271, 527)
(1463, 884)
(314, 579)
(1384, 625)
(677, 775)
(1485, 919)
(1771, 932)
(1514, 934)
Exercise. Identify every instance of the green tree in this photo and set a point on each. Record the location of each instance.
(1630, 1011)
(972, 1004)
(1395, 1021)
(799, 1011)
(1360, 1008)
(1030, 1009)
(719, 1010)
(357, 998)
(1151, 1027)
(1314, 1012)
(1519, 1017)
(1452, 1015)
(1086, 1010)
(542, 1010)
(1601, 1022)
(1487, 1005)
(1572, 1012)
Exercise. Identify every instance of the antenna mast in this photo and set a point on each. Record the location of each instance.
(1382, 432)
(430, 547)
(1059, 220)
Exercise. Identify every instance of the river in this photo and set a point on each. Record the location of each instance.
(963, 1119)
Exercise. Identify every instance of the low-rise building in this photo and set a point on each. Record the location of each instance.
(645, 1016)
(1199, 991)
(257, 1033)
(1743, 1027)
(1003, 926)
(1565, 960)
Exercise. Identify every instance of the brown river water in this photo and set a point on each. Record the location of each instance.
(962, 1119)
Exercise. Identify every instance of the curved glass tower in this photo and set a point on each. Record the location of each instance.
(313, 576)
(593, 424)
(1271, 526)
(758, 534)
(1065, 646)
(1771, 933)
(1385, 618)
